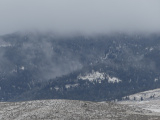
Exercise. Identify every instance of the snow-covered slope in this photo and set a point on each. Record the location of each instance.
(148, 100)
(151, 105)
(72, 110)
(151, 94)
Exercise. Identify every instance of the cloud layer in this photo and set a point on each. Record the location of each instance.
(86, 16)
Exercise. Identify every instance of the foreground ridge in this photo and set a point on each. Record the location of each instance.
(72, 109)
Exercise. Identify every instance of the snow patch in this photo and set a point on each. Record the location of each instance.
(94, 76)
(22, 68)
(4, 44)
(71, 85)
(98, 77)
(113, 79)
(151, 49)
(156, 79)
(56, 88)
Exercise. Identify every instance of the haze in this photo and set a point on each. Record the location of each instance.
(86, 16)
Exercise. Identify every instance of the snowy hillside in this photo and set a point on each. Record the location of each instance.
(72, 110)
(148, 100)
(146, 95)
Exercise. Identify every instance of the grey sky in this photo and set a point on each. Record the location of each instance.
(80, 15)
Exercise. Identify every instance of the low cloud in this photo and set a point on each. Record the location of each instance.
(89, 16)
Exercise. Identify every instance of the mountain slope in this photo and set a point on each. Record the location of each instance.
(97, 68)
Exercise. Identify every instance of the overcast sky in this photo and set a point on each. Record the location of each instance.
(88, 16)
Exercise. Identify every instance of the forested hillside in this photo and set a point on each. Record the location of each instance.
(99, 67)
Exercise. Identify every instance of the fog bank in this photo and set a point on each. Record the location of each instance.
(85, 16)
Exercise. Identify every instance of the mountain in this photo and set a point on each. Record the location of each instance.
(72, 110)
(97, 68)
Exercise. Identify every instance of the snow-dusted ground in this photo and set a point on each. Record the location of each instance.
(151, 94)
(72, 110)
(148, 100)
(151, 105)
